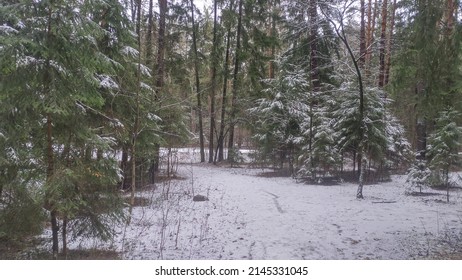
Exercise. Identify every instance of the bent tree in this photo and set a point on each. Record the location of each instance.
(336, 17)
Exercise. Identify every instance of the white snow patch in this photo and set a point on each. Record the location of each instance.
(7, 29)
(107, 82)
(252, 217)
(129, 51)
(144, 69)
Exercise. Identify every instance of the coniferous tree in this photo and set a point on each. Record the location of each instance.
(61, 73)
(443, 148)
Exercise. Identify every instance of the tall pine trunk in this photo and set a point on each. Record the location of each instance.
(389, 44)
(160, 67)
(221, 137)
(137, 113)
(231, 156)
(149, 35)
(371, 18)
(49, 146)
(198, 91)
(362, 37)
(382, 44)
(213, 81)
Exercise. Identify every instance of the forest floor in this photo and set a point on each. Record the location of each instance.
(250, 216)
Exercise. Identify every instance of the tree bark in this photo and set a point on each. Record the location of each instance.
(50, 172)
(372, 15)
(137, 115)
(159, 74)
(123, 166)
(450, 16)
(213, 81)
(389, 44)
(149, 35)
(421, 125)
(161, 46)
(221, 137)
(64, 236)
(237, 62)
(382, 44)
(362, 37)
(49, 146)
(198, 91)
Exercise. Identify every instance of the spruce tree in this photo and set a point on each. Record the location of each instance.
(55, 81)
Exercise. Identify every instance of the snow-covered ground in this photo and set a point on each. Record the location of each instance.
(253, 217)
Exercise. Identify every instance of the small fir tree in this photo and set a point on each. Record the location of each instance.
(444, 144)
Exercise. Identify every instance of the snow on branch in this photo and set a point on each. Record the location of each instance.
(129, 51)
(7, 29)
(106, 82)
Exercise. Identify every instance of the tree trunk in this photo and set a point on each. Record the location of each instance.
(369, 26)
(314, 69)
(198, 91)
(123, 166)
(221, 137)
(214, 81)
(382, 44)
(372, 15)
(49, 147)
(272, 34)
(137, 114)
(450, 15)
(161, 46)
(237, 62)
(361, 131)
(314, 73)
(149, 35)
(421, 126)
(362, 37)
(359, 192)
(50, 172)
(55, 231)
(64, 236)
(389, 43)
(159, 74)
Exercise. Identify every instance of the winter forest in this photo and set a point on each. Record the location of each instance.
(230, 129)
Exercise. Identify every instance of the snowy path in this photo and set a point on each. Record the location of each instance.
(276, 218)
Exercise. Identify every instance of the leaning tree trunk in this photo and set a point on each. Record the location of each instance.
(362, 122)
